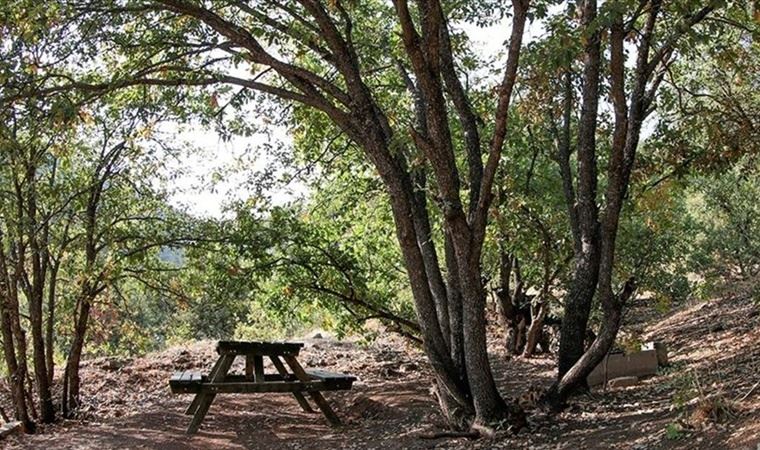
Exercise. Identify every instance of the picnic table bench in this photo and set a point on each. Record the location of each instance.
(298, 381)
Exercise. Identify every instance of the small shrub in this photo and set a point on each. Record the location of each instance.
(674, 431)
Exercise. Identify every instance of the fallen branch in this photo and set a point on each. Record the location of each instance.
(751, 390)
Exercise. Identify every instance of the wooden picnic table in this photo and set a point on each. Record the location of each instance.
(297, 381)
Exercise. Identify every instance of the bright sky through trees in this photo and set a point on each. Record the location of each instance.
(204, 197)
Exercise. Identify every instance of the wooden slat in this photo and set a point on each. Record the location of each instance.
(267, 378)
(240, 386)
(325, 375)
(258, 348)
(245, 387)
(180, 382)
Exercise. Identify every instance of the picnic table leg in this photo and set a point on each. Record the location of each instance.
(284, 372)
(258, 369)
(196, 400)
(225, 362)
(193, 405)
(301, 374)
(249, 367)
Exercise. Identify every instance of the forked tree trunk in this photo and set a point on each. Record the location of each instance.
(536, 329)
(15, 377)
(9, 316)
(595, 239)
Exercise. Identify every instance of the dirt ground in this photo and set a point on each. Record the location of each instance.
(714, 350)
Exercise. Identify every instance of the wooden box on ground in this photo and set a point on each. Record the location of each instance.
(660, 348)
(622, 365)
(9, 428)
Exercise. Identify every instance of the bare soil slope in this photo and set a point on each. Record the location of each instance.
(714, 351)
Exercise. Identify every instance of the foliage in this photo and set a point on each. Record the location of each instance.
(727, 215)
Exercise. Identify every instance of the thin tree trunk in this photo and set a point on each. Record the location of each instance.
(505, 307)
(19, 339)
(50, 323)
(75, 356)
(540, 306)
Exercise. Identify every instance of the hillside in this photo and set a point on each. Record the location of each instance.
(714, 356)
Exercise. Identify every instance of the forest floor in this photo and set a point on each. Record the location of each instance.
(714, 350)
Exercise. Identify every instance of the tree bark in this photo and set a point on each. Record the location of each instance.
(50, 323)
(456, 320)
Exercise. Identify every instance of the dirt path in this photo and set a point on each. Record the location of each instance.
(714, 347)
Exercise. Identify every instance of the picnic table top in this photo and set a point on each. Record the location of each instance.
(258, 348)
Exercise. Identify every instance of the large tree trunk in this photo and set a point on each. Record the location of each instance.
(577, 310)
(613, 307)
(489, 406)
